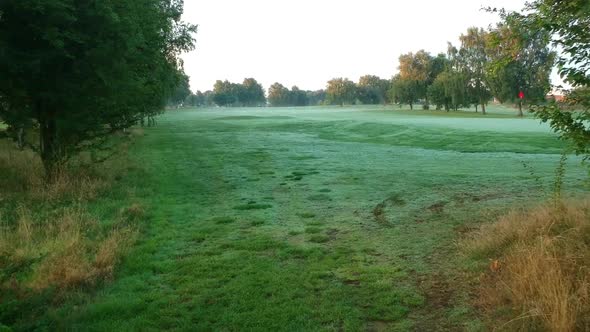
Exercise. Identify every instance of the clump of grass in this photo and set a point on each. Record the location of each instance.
(133, 212)
(21, 170)
(77, 184)
(539, 271)
(319, 238)
(223, 220)
(312, 230)
(306, 215)
(68, 250)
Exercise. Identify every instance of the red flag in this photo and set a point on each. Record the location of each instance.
(521, 95)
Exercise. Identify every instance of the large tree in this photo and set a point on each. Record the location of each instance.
(79, 70)
(520, 61)
(181, 93)
(225, 93)
(414, 73)
(567, 23)
(278, 95)
(251, 93)
(340, 91)
(473, 56)
(372, 89)
(405, 91)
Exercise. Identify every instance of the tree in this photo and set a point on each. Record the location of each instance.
(473, 56)
(415, 74)
(405, 91)
(316, 97)
(225, 93)
(278, 95)
(521, 61)
(372, 90)
(181, 93)
(297, 97)
(80, 71)
(340, 91)
(567, 24)
(251, 93)
(449, 90)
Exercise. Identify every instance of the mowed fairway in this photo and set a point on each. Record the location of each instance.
(304, 219)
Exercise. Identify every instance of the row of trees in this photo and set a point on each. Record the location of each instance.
(279, 95)
(500, 62)
(369, 90)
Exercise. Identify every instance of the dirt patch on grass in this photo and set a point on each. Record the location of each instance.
(253, 206)
(379, 209)
(437, 207)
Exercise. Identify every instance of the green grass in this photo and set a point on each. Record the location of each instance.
(350, 224)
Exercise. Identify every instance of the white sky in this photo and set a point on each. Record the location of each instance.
(308, 42)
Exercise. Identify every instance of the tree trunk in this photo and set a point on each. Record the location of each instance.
(411, 106)
(20, 137)
(48, 142)
(520, 114)
(476, 105)
(483, 108)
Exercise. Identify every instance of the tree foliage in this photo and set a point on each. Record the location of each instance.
(405, 91)
(567, 23)
(521, 61)
(249, 93)
(181, 93)
(473, 58)
(372, 89)
(340, 91)
(76, 71)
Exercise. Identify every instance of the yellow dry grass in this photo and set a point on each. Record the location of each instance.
(69, 250)
(60, 247)
(539, 276)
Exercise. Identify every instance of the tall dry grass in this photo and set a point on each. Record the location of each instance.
(539, 276)
(50, 240)
(22, 172)
(67, 250)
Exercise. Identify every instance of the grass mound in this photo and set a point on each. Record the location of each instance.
(538, 277)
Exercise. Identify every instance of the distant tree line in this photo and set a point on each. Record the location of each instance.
(510, 62)
(500, 62)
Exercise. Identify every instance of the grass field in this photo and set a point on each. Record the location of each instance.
(304, 219)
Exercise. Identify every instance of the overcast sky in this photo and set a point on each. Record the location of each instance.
(308, 42)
